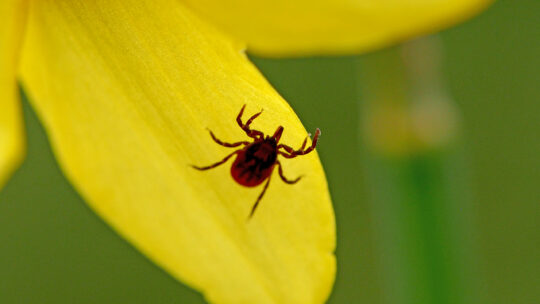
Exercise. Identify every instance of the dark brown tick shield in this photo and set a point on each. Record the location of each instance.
(256, 161)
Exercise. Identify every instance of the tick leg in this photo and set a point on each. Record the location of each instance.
(259, 198)
(290, 182)
(251, 133)
(252, 118)
(287, 155)
(229, 145)
(286, 148)
(301, 151)
(313, 143)
(216, 164)
(239, 117)
(291, 150)
(304, 143)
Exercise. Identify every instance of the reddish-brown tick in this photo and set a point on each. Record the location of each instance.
(255, 162)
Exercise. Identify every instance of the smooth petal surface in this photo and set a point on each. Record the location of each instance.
(12, 20)
(126, 90)
(322, 27)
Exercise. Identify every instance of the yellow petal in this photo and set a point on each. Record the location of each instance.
(12, 20)
(308, 27)
(125, 89)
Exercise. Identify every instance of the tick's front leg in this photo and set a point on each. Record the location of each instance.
(251, 133)
(292, 153)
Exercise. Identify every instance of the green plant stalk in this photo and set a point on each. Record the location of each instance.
(417, 177)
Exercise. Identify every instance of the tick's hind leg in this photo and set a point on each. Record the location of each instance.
(251, 133)
(288, 181)
(228, 145)
(259, 198)
(216, 164)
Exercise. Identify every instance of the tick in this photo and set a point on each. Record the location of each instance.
(256, 160)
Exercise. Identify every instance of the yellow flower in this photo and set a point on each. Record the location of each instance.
(126, 90)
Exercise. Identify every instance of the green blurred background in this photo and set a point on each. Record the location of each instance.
(452, 225)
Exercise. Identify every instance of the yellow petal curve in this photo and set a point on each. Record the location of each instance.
(12, 20)
(125, 90)
(314, 27)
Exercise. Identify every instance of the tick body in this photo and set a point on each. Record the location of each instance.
(254, 164)
(256, 160)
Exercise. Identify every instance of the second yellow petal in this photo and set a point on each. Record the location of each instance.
(325, 27)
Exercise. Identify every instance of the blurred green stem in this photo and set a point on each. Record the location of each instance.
(417, 177)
